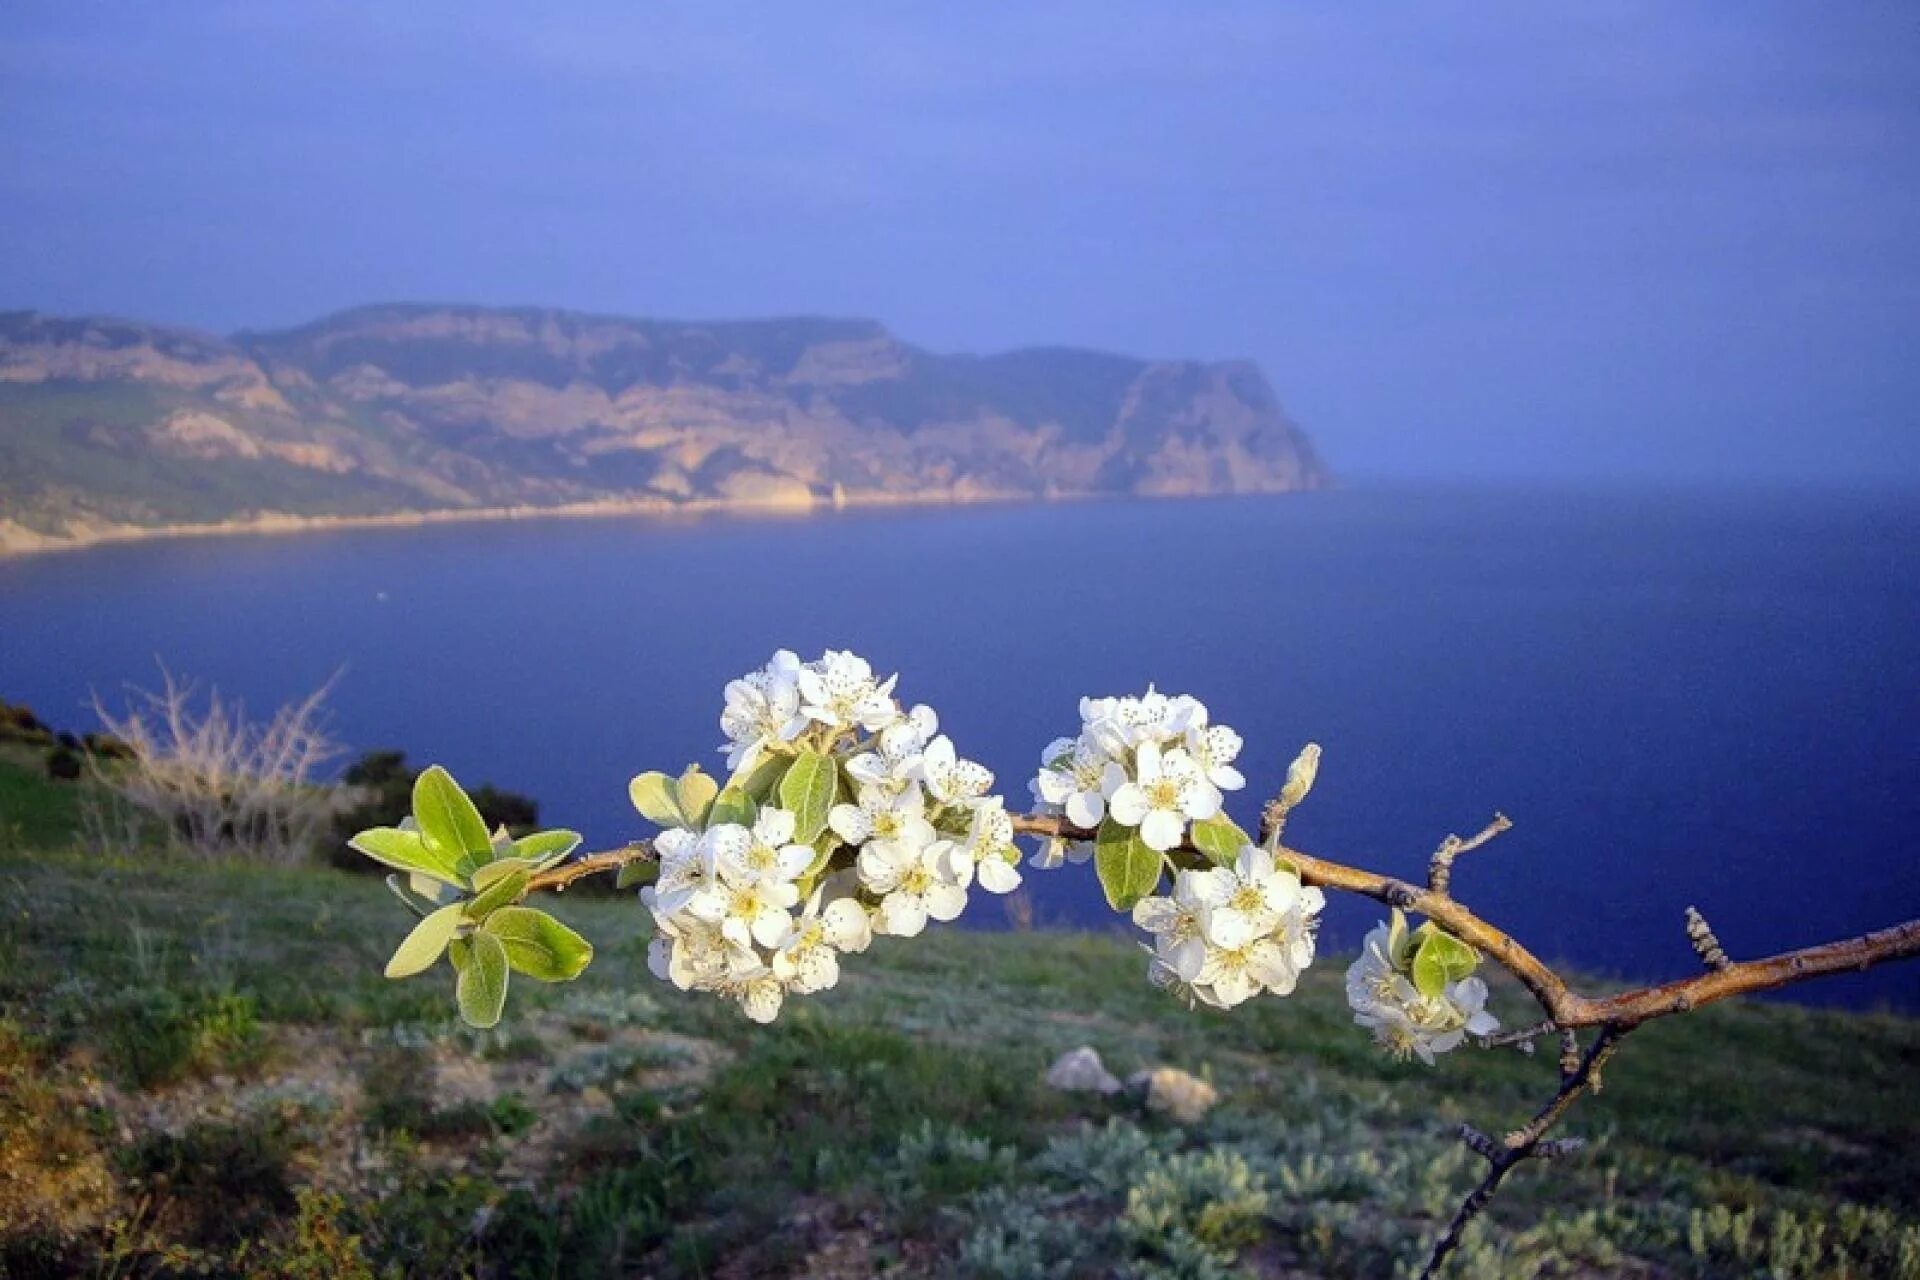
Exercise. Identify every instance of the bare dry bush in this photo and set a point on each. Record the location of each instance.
(207, 781)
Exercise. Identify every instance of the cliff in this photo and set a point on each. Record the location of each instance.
(113, 428)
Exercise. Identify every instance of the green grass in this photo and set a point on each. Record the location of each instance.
(233, 1018)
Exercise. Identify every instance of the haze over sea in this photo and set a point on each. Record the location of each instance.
(1680, 697)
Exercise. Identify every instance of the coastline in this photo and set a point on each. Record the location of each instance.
(16, 541)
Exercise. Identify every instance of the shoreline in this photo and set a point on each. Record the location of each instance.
(16, 541)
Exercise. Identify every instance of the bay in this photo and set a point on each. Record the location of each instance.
(1680, 697)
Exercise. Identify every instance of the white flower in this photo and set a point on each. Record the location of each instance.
(893, 763)
(916, 885)
(768, 853)
(1178, 926)
(990, 845)
(748, 907)
(1167, 791)
(1073, 780)
(1403, 1021)
(687, 952)
(1249, 899)
(1469, 1000)
(687, 872)
(1214, 751)
(757, 987)
(1236, 973)
(840, 691)
(949, 779)
(763, 707)
(883, 819)
(808, 959)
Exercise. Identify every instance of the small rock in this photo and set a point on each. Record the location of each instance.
(1081, 1071)
(1173, 1092)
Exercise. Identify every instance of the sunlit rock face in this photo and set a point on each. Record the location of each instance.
(394, 409)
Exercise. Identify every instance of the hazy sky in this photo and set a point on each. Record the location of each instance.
(1489, 240)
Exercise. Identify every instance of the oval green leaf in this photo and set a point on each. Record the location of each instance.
(538, 945)
(498, 892)
(733, 805)
(1221, 839)
(1128, 867)
(694, 793)
(405, 851)
(654, 796)
(418, 951)
(808, 791)
(448, 819)
(545, 848)
(481, 990)
(1441, 959)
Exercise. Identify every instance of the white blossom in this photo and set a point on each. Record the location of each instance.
(763, 708)
(893, 762)
(1166, 791)
(883, 819)
(949, 779)
(768, 852)
(1073, 780)
(1214, 750)
(990, 846)
(1405, 1022)
(841, 692)
(915, 885)
(808, 958)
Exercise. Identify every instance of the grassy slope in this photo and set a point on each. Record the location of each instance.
(231, 1022)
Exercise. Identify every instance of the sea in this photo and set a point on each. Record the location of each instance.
(1680, 697)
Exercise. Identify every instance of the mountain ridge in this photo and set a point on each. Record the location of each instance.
(113, 428)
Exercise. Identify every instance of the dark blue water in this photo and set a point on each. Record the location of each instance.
(1679, 698)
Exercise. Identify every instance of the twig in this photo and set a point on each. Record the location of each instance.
(1521, 1145)
(1440, 868)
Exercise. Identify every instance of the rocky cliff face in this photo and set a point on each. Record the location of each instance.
(110, 424)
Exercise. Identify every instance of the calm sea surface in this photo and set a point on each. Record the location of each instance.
(1679, 698)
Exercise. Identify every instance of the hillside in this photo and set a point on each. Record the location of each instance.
(202, 1073)
(111, 428)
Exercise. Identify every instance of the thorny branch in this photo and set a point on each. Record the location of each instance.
(1567, 1011)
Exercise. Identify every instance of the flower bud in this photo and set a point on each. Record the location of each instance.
(1300, 776)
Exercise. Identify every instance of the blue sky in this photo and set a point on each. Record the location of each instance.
(1498, 241)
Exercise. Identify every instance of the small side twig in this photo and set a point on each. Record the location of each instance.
(1526, 1143)
(1440, 869)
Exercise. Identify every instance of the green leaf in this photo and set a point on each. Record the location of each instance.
(405, 851)
(449, 821)
(545, 848)
(733, 805)
(808, 791)
(501, 890)
(407, 900)
(417, 952)
(1128, 867)
(635, 874)
(538, 945)
(654, 795)
(763, 778)
(481, 989)
(694, 793)
(1441, 959)
(1221, 839)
